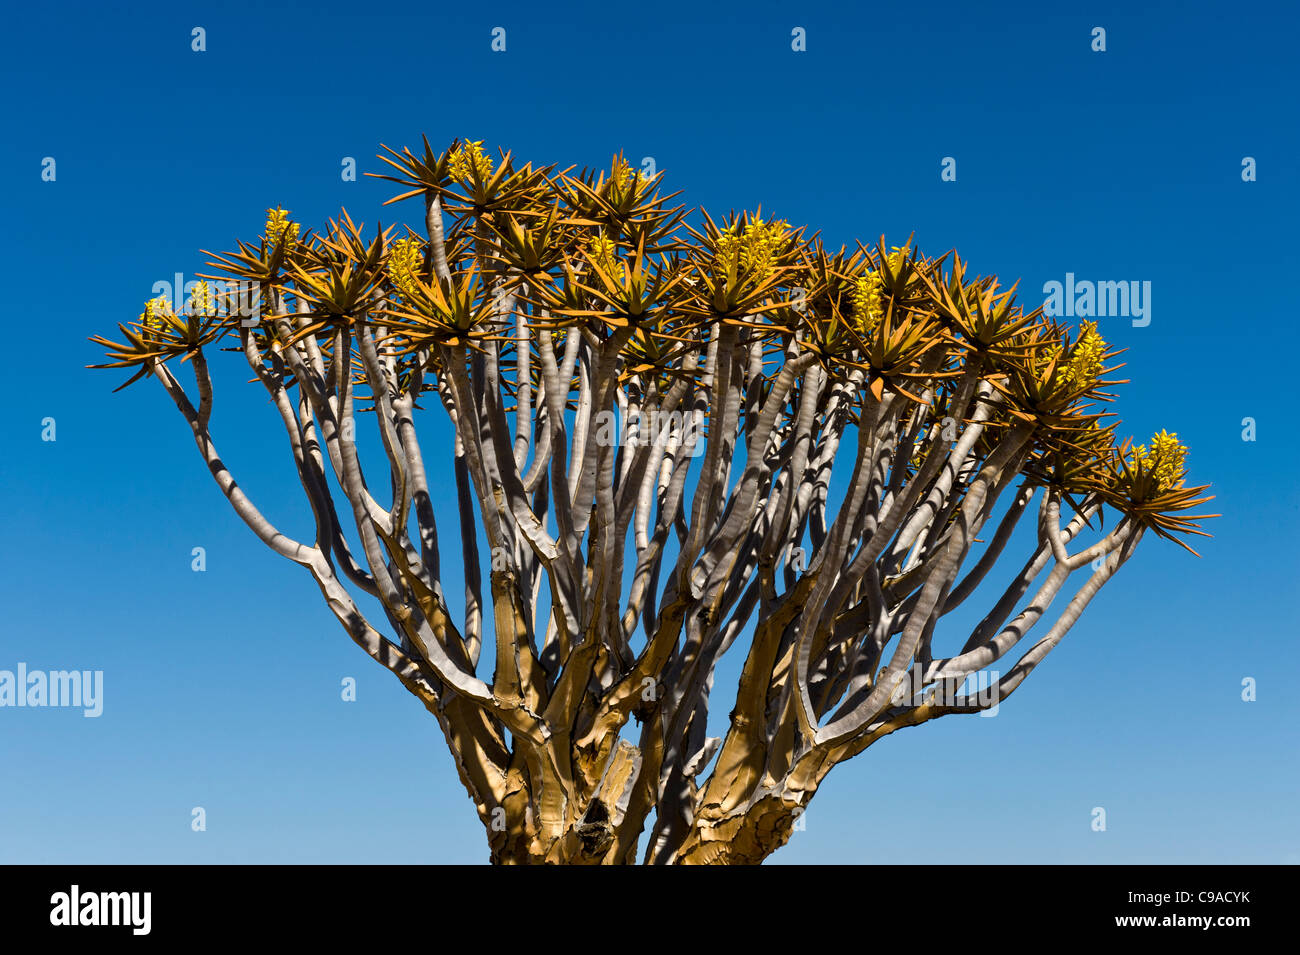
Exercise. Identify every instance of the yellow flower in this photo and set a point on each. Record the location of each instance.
(155, 314)
(201, 300)
(865, 302)
(728, 243)
(604, 252)
(1168, 456)
(1043, 357)
(894, 260)
(621, 173)
(1085, 361)
(1164, 460)
(280, 230)
(758, 246)
(467, 159)
(405, 259)
(623, 177)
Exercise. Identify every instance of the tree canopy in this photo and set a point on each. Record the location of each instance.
(650, 407)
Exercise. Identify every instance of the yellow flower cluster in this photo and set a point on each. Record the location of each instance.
(865, 302)
(621, 173)
(1085, 361)
(155, 314)
(623, 178)
(467, 159)
(758, 246)
(1164, 460)
(280, 230)
(201, 300)
(895, 259)
(405, 259)
(1041, 359)
(604, 252)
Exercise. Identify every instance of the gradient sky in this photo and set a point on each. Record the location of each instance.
(222, 687)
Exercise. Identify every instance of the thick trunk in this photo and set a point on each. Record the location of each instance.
(746, 835)
(587, 825)
(741, 838)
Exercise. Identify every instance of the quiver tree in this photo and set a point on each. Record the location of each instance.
(674, 438)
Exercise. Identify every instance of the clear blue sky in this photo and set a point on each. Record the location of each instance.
(1122, 165)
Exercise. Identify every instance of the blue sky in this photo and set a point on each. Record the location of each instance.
(1122, 165)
